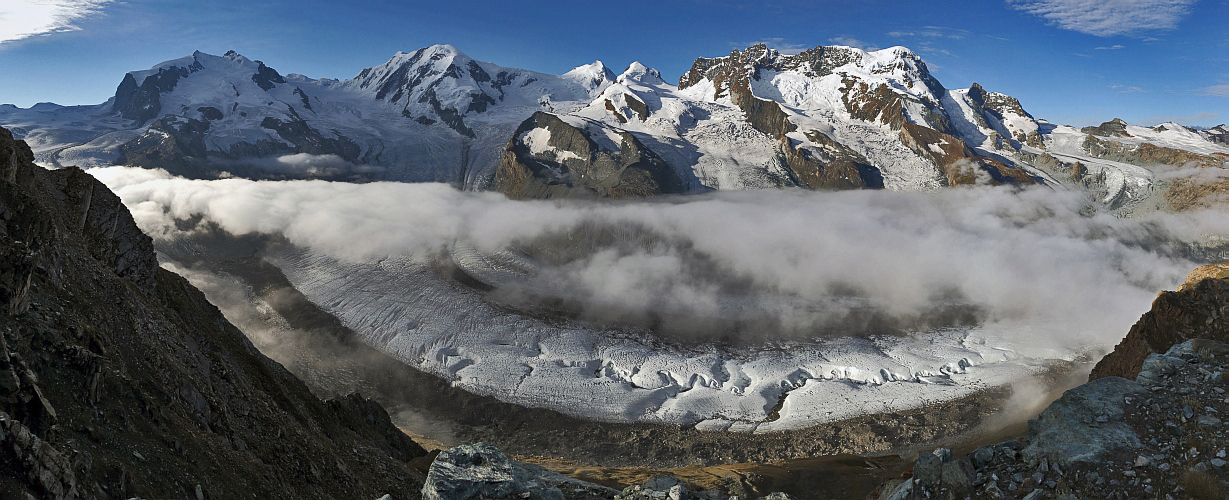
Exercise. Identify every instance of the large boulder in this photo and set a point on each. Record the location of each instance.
(481, 471)
(1084, 425)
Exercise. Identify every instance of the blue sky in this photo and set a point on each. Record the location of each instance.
(1070, 61)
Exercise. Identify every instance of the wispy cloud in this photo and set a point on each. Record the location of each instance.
(1216, 91)
(931, 32)
(1126, 89)
(1112, 47)
(1108, 18)
(930, 48)
(853, 42)
(23, 19)
(1205, 116)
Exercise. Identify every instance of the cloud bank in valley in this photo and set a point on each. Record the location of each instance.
(1028, 260)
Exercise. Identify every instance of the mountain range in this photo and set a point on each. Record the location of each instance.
(831, 117)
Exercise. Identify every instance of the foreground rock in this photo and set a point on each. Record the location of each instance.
(481, 471)
(119, 380)
(1161, 435)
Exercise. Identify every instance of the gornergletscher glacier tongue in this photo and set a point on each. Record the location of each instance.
(831, 117)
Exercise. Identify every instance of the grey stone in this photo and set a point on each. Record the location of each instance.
(982, 456)
(992, 491)
(1062, 432)
(661, 483)
(1036, 494)
(482, 471)
(1196, 348)
(1156, 367)
(928, 471)
(944, 454)
(955, 478)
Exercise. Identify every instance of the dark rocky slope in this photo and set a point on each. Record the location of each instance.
(118, 379)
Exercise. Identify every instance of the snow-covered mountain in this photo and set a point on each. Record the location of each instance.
(829, 118)
(430, 115)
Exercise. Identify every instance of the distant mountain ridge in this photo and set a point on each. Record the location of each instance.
(831, 117)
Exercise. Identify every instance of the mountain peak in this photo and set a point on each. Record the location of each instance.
(445, 50)
(594, 76)
(638, 72)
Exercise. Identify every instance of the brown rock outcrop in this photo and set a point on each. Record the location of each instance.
(959, 164)
(575, 166)
(1146, 154)
(1197, 310)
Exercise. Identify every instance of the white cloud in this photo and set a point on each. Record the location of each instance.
(1112, 47)
(1216, 91)
(853, 42)
(1108, 17)
(1023, 257)
(933, 32)
(26, 18)
(1127, 89)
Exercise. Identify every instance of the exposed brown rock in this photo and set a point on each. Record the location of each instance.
(578, 167)
(1146, 154)
(1197, 310)
(1113, 128)
(880, 105)
(1193, 193)
(833, 166)
(959, 164)
(1218, 271)
(998, 105)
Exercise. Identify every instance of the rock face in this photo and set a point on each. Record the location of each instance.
(1113, 128)
(1004, 108)
(1198, 310)
(1063, 434)
(1218, 134)
(1146, 154)
(551, 158)
(118, 379)
(959, 164)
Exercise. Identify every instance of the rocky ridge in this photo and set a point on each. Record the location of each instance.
(119, 380)
(1196, 310)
